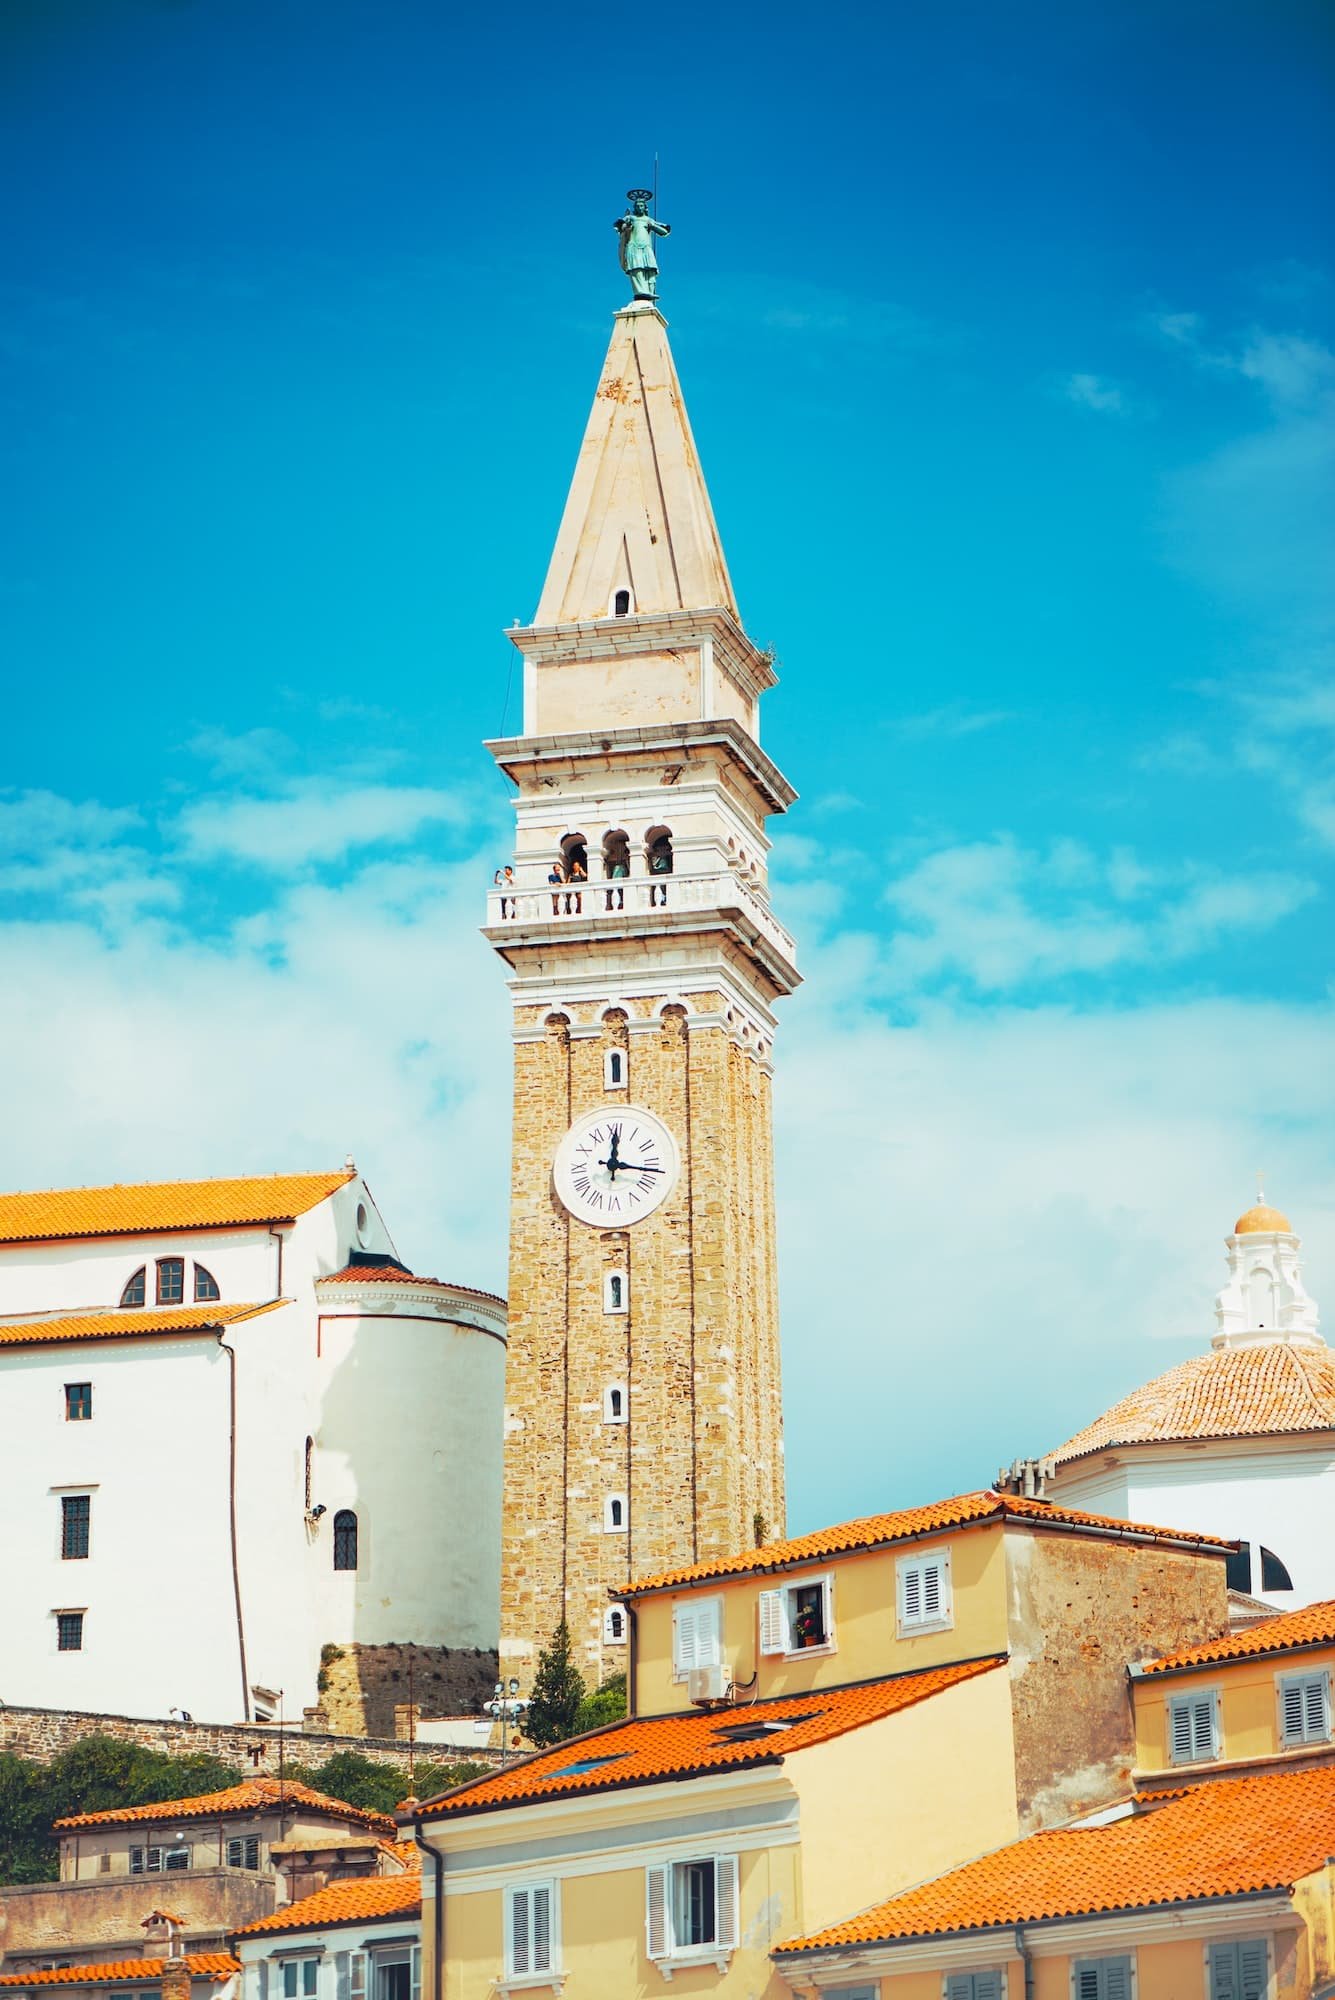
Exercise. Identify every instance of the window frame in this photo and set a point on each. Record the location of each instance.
(203, 1296)
(77, 1617)
(161, 1297)
(166, 1863)
(1235, 1948)
(1303, 1678)
(696, 1609)
(777, 1619)
(964, 1985)
(660, 1912)
(137, 1279)
(611, 1638)
(70, 1524)
(921, 1562)
(611, 1503)
(244, 1841)
(531, 1975)
(611, 1415)
(78, 1402)
(614, 1060)
(294, 1961)
(1174, 1700)
(340, 1529)
(610, 1304)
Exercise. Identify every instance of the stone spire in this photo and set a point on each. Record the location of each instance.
(638, 518)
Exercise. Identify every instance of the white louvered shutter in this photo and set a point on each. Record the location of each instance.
(657, 1929)
(1317, 1708)
(987, 1984)
(933, 1590)
(683, 1638)
(521, 1941)
(1184, 1727)
(773, 1621)
(725, 1901)
(540, 1905)
(1202, 1725)
(910, 1593)
(696, 1639)
(1251, 1969)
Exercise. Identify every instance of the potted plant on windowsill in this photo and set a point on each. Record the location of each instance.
(808, 1626)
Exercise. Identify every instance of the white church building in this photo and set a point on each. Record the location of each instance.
(234, 1431)
(1238, 1441)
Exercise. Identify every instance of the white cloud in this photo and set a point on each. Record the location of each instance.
(1095, 392)
(953, 719)
(315, 822)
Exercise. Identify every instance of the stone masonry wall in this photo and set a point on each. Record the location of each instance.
(361, 1686)
(697, 1353)
(41, 1733)
(1080, 1610)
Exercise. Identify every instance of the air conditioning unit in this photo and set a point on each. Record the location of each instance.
(708, 1684)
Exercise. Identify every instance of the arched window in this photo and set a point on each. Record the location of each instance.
(658, 850)
(616, 855)
(1238, 1568)
(614, 1625)
(614, 1070)
(614, 1514)
(1274, 1576)
(133, 1295)
(1261, 1298)
(206, 1285)
(621, 604)
(614, 1404)
(345, 1539)
(616, 1291)
(171, 1280)
(575, 857)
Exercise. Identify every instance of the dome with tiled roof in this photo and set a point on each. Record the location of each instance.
(1262, 1220)
(1267, 1389)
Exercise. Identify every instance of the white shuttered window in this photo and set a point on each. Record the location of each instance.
(530, 1929)
(922, 1587)
(1304, 1708)
(1193, 1727)
(690, 1908)
(697, 1634)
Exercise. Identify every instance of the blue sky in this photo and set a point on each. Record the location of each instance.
(1006, 335)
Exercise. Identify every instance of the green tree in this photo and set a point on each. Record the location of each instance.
(96, 1774)
(558, 1690)
(603, 1707)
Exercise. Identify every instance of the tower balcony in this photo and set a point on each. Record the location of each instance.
(635, 906)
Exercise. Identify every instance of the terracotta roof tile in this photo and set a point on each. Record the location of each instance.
(139, 1208)
(1314, 1625)
(649, 1749)
(358, 1901)
(1234, 1837)
(126, 1324)
(255, 1795)
(124, 1971)
(1275, 1387)
(964, 1511)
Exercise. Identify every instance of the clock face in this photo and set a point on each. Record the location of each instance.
(615, 1167)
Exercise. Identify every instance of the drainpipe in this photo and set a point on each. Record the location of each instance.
(437, 1913)
(231, 1510)
(1022, 1947)
(632, 1655)
(277, 1236)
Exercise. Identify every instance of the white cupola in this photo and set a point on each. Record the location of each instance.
(1264, 1299)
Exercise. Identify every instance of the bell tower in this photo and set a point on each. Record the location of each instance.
(643, 1414)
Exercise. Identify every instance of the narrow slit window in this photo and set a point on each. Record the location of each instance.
(171, 1280)
(616, 1292)
(345, 1539)
(136, 1288)
(614, 1070)
(614, 1513)
(621, 604)
(206, 1285)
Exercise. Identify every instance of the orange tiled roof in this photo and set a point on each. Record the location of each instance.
(121, 1971)
(965, 1511)
(648, 1750)
(1314, 1625)
(1276, 1386)
(354, 1902)
(255, 1795)
(390, 1273)
(141, 1208)
(119, 1325)
(1234, 1837)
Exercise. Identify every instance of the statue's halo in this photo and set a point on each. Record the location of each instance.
(639, 194)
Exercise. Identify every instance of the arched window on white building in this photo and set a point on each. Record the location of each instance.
(135, 1288)
(345, 1539)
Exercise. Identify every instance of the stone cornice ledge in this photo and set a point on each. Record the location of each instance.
(664, 738)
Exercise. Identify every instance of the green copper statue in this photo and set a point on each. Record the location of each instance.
(637, 230)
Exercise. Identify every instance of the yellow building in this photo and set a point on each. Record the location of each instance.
(1226, 1893)
(811, 1720)
(1258, 1699)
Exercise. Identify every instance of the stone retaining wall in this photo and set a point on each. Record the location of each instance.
(41, 1733)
